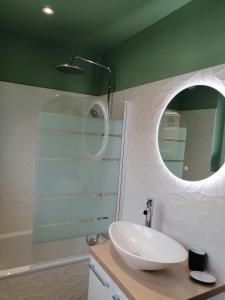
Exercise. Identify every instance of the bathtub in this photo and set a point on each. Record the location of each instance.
(49, 271)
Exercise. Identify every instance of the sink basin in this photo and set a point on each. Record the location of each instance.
(144, 248)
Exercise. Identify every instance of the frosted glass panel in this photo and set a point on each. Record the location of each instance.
(66, 231)
(175, 167)
(59, 144)
(53, 121)
(116, 127)
(172, 150)
(172, 142)
(71, 209)
(59, 178)
(76, 194)
(64, 144)
(93, 125)
(173, 133)
(113, 147)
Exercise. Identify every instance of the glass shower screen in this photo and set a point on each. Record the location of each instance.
(76, 192)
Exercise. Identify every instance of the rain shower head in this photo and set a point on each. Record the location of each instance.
(69, 68)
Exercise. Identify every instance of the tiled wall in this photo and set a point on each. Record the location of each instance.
(191, 212)
(68, 283)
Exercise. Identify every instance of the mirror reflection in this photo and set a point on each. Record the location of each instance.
(191, 133)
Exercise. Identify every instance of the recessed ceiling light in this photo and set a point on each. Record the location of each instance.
(48, 10)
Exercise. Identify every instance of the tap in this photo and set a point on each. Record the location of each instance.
(148, 212)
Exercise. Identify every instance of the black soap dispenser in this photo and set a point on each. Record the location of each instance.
(196, 259)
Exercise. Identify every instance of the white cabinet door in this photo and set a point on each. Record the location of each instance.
(99, 284)
(117, 294)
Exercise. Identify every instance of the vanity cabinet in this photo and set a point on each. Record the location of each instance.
(101, 286)
(173, 283)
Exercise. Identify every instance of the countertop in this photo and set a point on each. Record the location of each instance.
(171, 283)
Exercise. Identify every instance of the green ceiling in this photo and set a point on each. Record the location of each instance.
(95, 24)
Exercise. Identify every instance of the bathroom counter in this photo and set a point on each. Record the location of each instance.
(171, 283)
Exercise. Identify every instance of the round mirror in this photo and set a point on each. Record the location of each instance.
(191, 133)
(96, 130)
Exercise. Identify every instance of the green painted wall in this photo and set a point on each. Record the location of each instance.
(31, 61)
(192, 38)
(200, 97)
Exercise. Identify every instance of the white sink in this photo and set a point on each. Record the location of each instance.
(144, 248)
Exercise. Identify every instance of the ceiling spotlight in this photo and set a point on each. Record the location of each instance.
(48, 10)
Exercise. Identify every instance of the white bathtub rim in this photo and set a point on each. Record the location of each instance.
(51, 264)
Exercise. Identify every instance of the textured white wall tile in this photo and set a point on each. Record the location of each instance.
(193, 213)
(68, 283)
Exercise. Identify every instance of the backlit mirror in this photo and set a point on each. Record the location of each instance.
(191, 133)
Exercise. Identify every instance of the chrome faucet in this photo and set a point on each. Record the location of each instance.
(148, 213)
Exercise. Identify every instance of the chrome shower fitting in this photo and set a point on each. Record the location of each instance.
(71, 68)
(97, 239)
(109, 80)
(148, 213)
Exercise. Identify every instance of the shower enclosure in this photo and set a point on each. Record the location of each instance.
(77, 177)
(68, 183)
